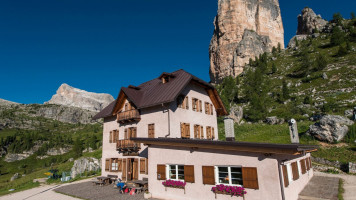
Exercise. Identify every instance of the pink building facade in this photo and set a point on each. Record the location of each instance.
(166, 129)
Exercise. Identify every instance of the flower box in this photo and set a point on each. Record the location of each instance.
(229, 190)
(174, 184)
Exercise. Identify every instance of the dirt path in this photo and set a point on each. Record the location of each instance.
(349, 184)
(44, 192)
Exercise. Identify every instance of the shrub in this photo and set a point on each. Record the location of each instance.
(342, 51)
(320, 62)
(337, 18)
(307, 100)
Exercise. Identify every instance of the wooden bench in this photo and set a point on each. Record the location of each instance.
(101, 183)
(113, 178)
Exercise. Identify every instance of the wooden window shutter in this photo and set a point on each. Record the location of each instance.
(189, 173)
(211, 109)
(208, 134)
(161, 172)
(187, 130)
(307, 164)
(151, 131)
(212, 133)
(200, 106)
(295, 171)
(110, 164)
(146, 166)
(134, 132)
(142, 166)
(107, 164)
(285, 176)
(123, 176)
(302, 166)
(187, 103)
(182, 132)
(195, 131)
(126, 137)
(208, 175)
(110, 137)
(119, 165)
(201, 132)
(206, 107)
(249, 177)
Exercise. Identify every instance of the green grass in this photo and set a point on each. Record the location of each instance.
(343, 154)
(341, 189)
(266, 133)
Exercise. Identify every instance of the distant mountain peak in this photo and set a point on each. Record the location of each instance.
(6, 102)
(71, 96)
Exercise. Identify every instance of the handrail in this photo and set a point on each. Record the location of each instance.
(127, 143)
(128, 115)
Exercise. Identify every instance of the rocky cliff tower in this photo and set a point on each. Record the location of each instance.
(243, 29)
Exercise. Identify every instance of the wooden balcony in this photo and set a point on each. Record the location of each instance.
(128, 116)
(127, 146)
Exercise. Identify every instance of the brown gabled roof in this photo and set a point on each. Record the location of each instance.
(154, 92)
(293, 149)
(106, 112)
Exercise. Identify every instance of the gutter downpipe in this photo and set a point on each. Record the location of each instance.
(169, 122)
(280, 180)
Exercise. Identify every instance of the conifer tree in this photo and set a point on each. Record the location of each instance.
(274, 68)
(321, 62)
(337, 37)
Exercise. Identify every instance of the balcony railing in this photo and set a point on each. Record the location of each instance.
(127, 146)
(128, 116)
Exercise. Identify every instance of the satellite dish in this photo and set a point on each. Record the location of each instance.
(292, 121)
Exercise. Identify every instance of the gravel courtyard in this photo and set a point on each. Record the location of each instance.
(87, 190)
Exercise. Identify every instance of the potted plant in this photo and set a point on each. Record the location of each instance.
(147, 195)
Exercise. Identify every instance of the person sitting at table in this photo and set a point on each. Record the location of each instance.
(121, 186)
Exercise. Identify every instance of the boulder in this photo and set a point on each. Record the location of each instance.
(85, 164)
(299, 38)
(349, 112)
(236, 113)
(15, 176)
(274, 120)
(331, 128)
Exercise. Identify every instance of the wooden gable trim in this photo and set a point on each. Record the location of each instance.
(119, 103)
(217, 102)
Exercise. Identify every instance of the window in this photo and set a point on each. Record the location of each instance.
(210, 134)
(185, 130)
(198, 132)
(151, 130)
(207, 108)
(229, 175)
(114, 165)
(182, 102)
(175, 172)
(195, 104)
(114, 136)
(130, 133)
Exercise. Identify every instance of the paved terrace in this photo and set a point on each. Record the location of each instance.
(86, 190)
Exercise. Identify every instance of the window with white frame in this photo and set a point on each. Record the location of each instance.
(289, 170)
(230, 175)
(175, 172)
(114, 165)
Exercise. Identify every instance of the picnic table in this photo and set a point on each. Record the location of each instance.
(143, 184)
(102, 180)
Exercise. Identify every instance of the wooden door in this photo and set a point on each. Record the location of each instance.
(135, 169)
(129, 169)
(124, 169)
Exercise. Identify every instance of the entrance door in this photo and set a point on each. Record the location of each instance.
(132, 169)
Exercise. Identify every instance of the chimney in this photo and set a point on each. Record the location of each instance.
(229, 129)
(293, 131)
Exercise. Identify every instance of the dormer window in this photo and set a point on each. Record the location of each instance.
(166, 77)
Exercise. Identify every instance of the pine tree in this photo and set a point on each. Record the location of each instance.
(353, 16)
(285, 90)
(342, 51)
(274, 51)
(320, 62)
(337, 18)
(78, 147)
(296, 41)
(279, 47)
(337, 37)
(274, 68)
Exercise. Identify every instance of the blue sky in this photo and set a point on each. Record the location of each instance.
(100, 46)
